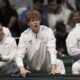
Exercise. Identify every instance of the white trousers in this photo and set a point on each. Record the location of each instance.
(76, 67)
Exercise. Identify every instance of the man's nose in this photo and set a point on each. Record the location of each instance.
(35, 21)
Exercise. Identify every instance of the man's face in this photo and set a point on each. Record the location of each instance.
(34, 24)
(37, 6)
(53, 5)
(76, 17)
(1, 33)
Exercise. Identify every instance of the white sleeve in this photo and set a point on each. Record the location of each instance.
(73, 43)
(7, 32)
(12, 52)
(51, 47)
(60, 66)
(21, 51)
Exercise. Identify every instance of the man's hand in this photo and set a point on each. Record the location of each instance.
(24, 71)
(54, 69)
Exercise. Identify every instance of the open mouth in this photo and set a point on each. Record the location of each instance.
(36, 26)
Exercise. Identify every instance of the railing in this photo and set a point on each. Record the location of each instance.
(40, 77)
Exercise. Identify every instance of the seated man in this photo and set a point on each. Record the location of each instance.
(38, 45)
(73, 47)
(7, 52)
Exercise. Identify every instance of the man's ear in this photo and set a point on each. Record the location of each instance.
(28, 23)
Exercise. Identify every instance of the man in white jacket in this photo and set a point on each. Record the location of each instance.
(73, 47)
(7, 52)
(38, 44)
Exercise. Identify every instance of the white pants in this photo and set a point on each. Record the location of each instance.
(76, 67)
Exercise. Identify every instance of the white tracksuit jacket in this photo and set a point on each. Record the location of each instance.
(73, 41)
(7, 50)
(7, 32)
(40, 49)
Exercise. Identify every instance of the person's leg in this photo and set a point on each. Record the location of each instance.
(9, 68)
(60, 66)
(76, 67)
(5, 69)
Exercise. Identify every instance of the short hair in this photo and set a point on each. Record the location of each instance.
(57, 1)
(34, 14)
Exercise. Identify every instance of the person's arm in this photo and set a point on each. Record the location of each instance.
(7, 32)
(51, 47)
(20, 55)
(73, 43)
(60, 66)
(12, 52)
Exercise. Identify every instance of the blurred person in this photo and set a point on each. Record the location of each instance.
(73, 47)
(77, 4)
(61, 35)
(38, 45)
(8, 17)
(73, 19)
(56, 12)
(7, 53)
(70, 4)
(21, 3)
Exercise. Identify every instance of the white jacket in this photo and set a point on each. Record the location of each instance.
(40, 49)
(7, 50)
(73, 41)
(7, 32)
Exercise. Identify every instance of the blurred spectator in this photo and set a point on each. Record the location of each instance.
(70, 4)
(73, 47)
(73, 19)
(8, 17)
(77, 4)
(21, 3)
(7, 53)
(57, 13)
(61, 35)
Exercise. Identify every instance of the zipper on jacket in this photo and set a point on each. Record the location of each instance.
(36, 36)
